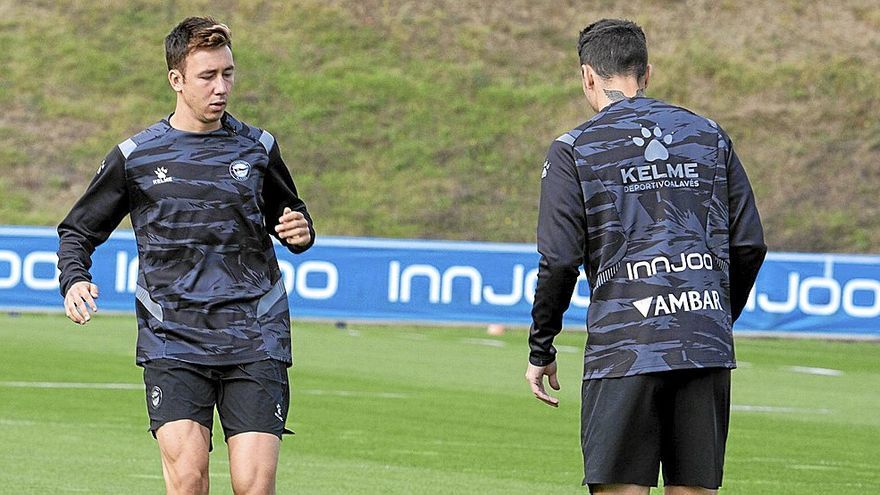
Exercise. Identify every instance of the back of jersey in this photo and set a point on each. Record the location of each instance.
(654, 182)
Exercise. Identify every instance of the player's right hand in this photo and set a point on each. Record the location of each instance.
(79, 299)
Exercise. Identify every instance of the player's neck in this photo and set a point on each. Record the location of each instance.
(183, 120)
(618, 89)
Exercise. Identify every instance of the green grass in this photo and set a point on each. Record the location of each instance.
(404, 410)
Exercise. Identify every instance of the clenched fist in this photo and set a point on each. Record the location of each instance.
(293, 228)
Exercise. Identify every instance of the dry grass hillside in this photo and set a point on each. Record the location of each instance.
(431, 119)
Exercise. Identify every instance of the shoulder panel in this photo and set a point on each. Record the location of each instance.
(570, 136)
(126, 147)
(150, 133)
(267, 140)
(246, 130)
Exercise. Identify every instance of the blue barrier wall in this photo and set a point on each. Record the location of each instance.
(439, 281)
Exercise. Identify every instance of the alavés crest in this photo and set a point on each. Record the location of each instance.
(240, 170)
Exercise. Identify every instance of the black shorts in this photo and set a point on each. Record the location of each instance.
(251, 397)
(632, 425)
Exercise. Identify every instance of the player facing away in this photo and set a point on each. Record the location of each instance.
(204, 192)
(652, 200)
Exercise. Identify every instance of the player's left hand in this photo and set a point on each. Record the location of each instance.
(293, 228)
(535, 377)
(79, 299)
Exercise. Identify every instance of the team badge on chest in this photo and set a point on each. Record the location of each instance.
(240, 170)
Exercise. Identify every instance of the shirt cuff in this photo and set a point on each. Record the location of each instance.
(542, 358)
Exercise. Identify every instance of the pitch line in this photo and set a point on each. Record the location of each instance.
(570, 349)
(351, 393)
(134, 386)
(809, 370)
(485, 342)
(778, 409)
(75, 385)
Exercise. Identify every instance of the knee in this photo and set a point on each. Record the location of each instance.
(255, 482)
(189, 481)
(688, 490)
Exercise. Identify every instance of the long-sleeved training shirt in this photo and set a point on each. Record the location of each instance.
(202, 206)
(653, 202)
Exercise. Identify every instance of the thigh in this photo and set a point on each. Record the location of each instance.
(179, 391)
(184, 446)
(253, 462)
(620, 431)
(254, 397)
(619, 490)
(696, 421)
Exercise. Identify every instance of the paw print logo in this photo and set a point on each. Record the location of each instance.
(546, 168)
(162, 174)
(655, 149)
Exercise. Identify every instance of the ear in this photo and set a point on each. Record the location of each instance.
(175, 79)
(649, 69)
(588, 78)
(589, 75)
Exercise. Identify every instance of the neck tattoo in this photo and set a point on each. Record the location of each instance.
(617, 95)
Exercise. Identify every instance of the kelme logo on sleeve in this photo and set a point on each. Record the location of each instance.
(546, 168)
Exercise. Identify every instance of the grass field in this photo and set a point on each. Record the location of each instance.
(399, 410)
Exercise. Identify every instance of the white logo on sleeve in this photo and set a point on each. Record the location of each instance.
(162, 176)
(546, 168)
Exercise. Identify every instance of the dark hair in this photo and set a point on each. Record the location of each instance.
(614, 47)
(191, 34)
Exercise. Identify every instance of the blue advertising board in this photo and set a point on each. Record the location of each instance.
(453, 282)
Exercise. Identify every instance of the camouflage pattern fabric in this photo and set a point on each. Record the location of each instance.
(639, 195)
(202, 207)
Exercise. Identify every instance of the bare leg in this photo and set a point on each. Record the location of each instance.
(620, 489)
(253, 463)
(184, 446)
(688, 490)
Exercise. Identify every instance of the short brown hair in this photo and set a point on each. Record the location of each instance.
(614, 47)
(191, 34)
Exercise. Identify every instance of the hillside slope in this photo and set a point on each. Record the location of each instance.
(431, 119)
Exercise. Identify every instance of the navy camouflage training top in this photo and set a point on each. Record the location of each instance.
(202, 206)
(653, 202)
